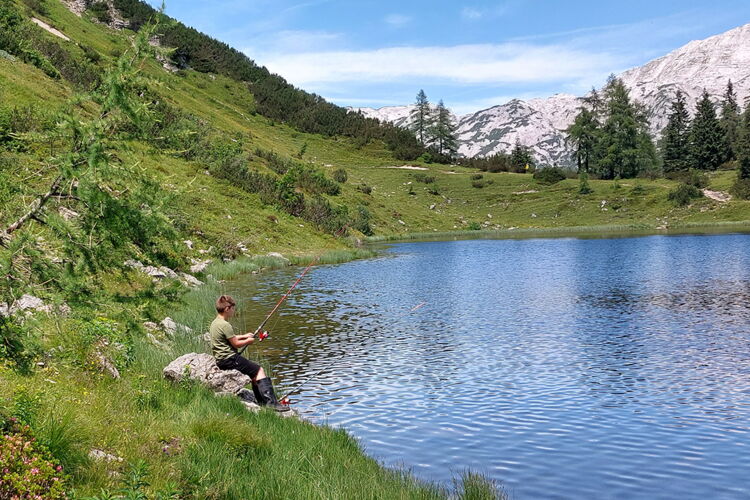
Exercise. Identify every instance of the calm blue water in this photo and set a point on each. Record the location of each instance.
(564, 368)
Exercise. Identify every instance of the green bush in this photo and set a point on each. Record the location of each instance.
(100, 11)
(28, 470)
(683, 194)
(478, 184)
(365, 188)
(474, 226)
(340, 175)
(741, 189)
(476, 177)
(424, 178)
(692, 177)
(361, 221)
(18, 346)
(549, 175)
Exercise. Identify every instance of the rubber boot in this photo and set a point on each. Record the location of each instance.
(268, 397)
(256, 393)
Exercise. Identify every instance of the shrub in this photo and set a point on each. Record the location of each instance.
(340, 175)
(100, 11)
(684, 194)
(361, 221)
(549, 175)
(474, 226)
(638, 190)
(28, 470)
(365, 188)
(478, 184)
(476, 177)
(18, 346)
(741, 189)
(692, 177)
(424, 179)
(39, 6)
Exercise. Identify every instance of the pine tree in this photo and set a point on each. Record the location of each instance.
(743, 145)
(421, 117)
(675, 147)
(623, 149)
(584, 134)
(443, 131)
(730, 119)
(707, 150)
(521, 159)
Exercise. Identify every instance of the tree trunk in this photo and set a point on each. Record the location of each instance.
(34, 209)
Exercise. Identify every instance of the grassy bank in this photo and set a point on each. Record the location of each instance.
(180, 439)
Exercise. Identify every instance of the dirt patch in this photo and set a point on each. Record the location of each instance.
(410, 167)
(720, 196)
(49, 28)
(526, 192)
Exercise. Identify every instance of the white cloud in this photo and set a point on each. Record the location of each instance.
(509, 63)
(471, 13)
(397, 20)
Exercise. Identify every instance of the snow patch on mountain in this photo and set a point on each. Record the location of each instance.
(540, 123)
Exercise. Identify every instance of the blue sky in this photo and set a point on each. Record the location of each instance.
(473, 55)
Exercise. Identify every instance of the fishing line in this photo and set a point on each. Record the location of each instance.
(258, 330)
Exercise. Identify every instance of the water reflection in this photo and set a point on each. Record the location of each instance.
(565, 368)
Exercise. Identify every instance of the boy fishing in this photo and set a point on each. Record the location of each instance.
(225, 345)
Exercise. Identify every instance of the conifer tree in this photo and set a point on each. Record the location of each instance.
(623, 149)
(743, 145)
(675, 147)
(584, 134)
(421, 117)
(707, 149)
(730, 119)
(443, 131)
(521, 157)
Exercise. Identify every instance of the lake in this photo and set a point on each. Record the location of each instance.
(563, 368)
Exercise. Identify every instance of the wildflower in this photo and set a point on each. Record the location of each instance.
(34, 471)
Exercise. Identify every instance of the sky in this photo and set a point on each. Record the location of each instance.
(472, 55)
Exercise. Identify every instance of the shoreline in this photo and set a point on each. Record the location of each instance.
(602, 231)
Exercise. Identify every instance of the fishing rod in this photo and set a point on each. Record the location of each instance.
(285, 399)
(262, 335)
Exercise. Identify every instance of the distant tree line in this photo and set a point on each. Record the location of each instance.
(275, 98)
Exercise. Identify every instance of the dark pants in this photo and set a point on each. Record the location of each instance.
(241, 364)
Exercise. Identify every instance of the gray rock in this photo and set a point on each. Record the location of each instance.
(189, 244)
(171, 327)
(190, 280)
(199, 265)
(202, 368)
(103, 456)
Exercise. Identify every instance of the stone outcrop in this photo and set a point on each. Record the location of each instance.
(202, 368)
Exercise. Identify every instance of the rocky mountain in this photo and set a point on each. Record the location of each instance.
(540, 123)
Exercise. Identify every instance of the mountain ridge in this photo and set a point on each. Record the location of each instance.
(540, 122)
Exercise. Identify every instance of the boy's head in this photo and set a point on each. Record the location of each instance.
(225, 305)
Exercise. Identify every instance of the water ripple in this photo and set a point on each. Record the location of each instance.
(564, 368)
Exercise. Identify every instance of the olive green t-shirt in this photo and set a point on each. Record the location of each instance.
(221, 331)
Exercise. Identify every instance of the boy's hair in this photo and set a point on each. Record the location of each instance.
(224, 302)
